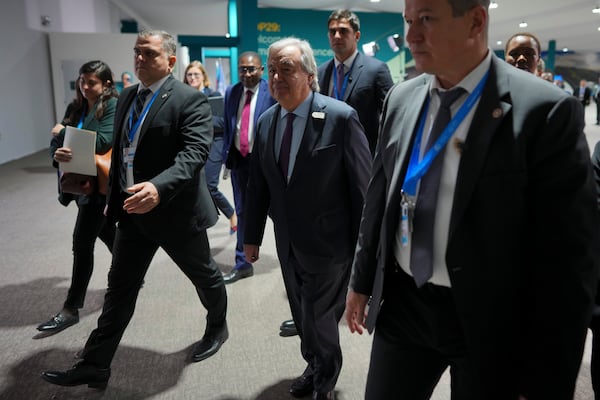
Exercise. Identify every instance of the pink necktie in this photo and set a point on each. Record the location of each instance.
(245, 124)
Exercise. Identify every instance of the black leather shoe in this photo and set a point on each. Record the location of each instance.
(80, 374)
(288, 328)
(209, 345)
(59, 322)
(323, 396)
(303, 385)
(237, 274)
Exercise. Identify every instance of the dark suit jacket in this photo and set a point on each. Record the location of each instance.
(368, 84)
(317, 213)
(522, 251)
(173, 146)
(233, 94)
(587, 93)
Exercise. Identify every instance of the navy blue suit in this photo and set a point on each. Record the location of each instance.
(368, 83)
(233, 159)
(316, 216)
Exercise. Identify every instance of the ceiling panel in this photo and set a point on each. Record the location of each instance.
(570, 22)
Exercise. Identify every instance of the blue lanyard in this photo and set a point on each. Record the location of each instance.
(134, 127)
(340, 96)
(417, 169)
(80, 124)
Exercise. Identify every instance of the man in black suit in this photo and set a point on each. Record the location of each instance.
(158, 195)
(584, 93)
(309, 172)
(482, 254)
(363, 84)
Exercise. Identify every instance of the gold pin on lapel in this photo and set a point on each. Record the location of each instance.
(497, 113)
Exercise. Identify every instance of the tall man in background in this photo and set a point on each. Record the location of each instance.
(158, 195)
(479, 252)
(359, 80)
(244, 103)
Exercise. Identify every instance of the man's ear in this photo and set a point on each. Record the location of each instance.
(172, 60)
(479, 19)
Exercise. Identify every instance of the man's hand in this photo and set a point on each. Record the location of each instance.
(356, 304)
(146, 197)
(251, 251)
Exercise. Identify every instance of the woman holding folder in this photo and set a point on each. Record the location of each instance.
(93, 109)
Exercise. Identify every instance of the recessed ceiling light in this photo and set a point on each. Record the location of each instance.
(493, 5)
(565, 50)
(596, 10)
(523, 24)
(374, 1)
(499, 42)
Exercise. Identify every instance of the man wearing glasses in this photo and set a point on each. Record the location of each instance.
(244, 103)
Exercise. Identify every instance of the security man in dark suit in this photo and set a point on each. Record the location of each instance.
(359, 80)
(158, 195)
(478, 245)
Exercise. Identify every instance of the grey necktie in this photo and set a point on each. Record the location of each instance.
(421, 256)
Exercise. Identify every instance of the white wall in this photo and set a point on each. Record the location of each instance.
(26, 105)
(115, 49)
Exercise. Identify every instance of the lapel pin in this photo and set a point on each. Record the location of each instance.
(164, 96)
(318, 115)
(497, 113)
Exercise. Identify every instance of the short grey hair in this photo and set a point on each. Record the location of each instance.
(307, 57)
(168, 41)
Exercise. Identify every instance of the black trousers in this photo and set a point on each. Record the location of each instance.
(90, 224)
(133, 250)
(416, 338)
(317, 303)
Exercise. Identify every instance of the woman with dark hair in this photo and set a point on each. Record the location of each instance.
(195, 75)
(92, 109)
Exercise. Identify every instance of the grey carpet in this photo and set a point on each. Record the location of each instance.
(152, 361)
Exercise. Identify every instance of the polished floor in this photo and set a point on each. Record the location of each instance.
(152, 362)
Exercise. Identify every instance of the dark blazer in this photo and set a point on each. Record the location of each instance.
(522, 251)
(317, 213)
(173, 146)
(368, 84)
(233, 94)
(587, 94)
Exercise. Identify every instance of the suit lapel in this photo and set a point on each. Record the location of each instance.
(489, 114)
(270, 149)
(312, 133)
(404, 139)
(354, 75)
(163, 95)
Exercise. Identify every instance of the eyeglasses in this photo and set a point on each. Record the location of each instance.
(251, 69)
(193, 74)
